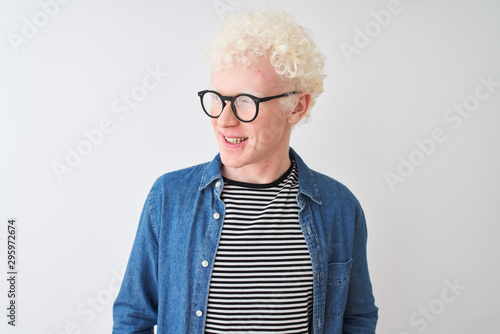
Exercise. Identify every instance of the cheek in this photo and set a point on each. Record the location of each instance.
(273, 130)
(215, 129)
(213, 121)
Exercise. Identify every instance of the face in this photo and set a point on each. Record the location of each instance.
(263, 143)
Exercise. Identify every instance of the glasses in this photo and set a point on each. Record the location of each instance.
(245, 106)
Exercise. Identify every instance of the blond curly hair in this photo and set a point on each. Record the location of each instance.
(271, 33)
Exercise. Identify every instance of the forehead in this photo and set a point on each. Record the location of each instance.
(260, 77)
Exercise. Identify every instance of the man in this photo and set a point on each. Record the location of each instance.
(253, 241)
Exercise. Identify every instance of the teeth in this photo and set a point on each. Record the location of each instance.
(235, 140)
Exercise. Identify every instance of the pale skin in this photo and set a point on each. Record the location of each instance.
(261, 155)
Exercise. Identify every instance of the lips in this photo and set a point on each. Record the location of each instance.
(235, 140)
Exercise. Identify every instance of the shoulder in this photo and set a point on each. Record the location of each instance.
(323, 188)
(330, 188)
(181, 179)
(338, 202)
(189, 173)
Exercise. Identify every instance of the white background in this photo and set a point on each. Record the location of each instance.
(74, 235)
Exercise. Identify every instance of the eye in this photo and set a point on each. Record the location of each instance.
(244, 100)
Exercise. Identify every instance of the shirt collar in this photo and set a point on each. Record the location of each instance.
(212, 172)
(307, 180)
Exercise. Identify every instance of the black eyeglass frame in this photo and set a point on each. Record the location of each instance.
(257, 100)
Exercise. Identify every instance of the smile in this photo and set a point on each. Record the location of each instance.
(235, 140)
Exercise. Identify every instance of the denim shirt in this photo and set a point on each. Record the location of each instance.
(168, 274)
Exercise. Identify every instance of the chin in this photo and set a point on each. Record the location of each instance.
(231, 162)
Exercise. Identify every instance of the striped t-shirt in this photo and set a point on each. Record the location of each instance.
(262, 278)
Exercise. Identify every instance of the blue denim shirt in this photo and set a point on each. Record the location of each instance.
(168, 274)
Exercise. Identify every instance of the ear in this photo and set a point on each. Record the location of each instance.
(300, 109)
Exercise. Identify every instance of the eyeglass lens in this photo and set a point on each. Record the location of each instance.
(245, 106)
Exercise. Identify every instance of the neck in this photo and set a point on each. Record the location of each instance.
(262, 173)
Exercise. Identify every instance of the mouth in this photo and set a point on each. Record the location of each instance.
(235, 140)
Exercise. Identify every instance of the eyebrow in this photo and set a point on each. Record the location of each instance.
(250, 92)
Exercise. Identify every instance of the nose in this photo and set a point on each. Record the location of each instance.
(227, 117)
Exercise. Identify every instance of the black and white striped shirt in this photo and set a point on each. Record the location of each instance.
(262, 276)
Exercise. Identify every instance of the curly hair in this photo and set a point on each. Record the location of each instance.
(270, 33)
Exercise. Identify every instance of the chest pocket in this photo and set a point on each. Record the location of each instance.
(337, 288)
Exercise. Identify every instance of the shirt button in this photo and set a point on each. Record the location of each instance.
(204, 263)
(217, 184)
(216, 215)
(199, 313)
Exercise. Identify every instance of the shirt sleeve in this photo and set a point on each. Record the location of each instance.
(360, 314)
(136, 307)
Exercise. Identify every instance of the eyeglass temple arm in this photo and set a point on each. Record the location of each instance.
(277, 96)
